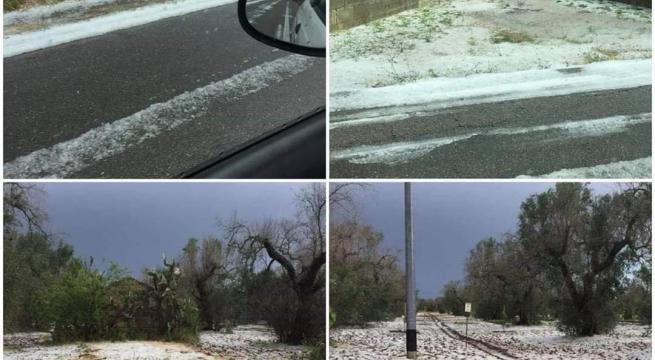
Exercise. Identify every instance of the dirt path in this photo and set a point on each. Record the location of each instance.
(495, 351)
(440, 337)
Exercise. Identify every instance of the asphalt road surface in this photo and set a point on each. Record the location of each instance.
(506, 139)
(150, 101)
(269, 16)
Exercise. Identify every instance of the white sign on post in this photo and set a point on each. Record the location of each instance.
(467, 307)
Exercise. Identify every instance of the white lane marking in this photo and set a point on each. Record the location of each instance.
(434, 94)
(395, 153)
(401, 152)
(113, 138)
(370, 120)
(630, 169)
(60, 34)
(286, 31)
(255, 12)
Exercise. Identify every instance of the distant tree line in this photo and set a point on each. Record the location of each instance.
(581, 259)
(271, 271)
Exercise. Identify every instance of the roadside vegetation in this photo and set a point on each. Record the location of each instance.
(581, 260)
(505, 35)
(272, 271)
(11, 5)
(457, 38)
(366, 284)
(23, 16)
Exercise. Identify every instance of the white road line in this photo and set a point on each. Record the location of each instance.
(113, 138)
(369, 120)
(394, 153)
(60, 34)
(401, 152)
(634, 169)
(434, 94)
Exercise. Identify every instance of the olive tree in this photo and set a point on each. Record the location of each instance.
(587, 243)
(32, 259)
(365, 282)
(203, 267)
(504, 281)
(296, 247)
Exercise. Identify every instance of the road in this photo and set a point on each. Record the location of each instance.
(492, 350)
(270, 16)
(150, 101)
(504, 139)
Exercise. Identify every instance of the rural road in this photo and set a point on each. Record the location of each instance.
(386, 340)
(150, 101)
(505, 139)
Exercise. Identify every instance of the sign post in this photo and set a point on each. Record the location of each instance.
(410, 328)
(467, 310)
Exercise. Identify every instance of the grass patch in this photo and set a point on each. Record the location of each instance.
(576, 40)
(592, 57)
(612, 54)
(12, 5)
(392, 35)
(514, 37)
(600, 54)
(10, 348)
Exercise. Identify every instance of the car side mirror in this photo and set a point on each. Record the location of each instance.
(293, 25)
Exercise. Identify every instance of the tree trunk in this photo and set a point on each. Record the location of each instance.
(203, 308)
(586, 311)
(526, 307)
(302, 318)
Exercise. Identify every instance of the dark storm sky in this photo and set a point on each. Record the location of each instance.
(133, 224)
(449, 219)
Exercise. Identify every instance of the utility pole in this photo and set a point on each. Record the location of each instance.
(410, 281)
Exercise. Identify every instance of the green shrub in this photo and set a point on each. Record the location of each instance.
(293, 320)
(76, 305)
(356, 298)
(31, 265)
(317, 350)
(504, 35)
(172, 313)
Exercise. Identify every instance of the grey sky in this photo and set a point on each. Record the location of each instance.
(450, 218)
(134, 223)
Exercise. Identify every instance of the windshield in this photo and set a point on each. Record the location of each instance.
(145, 89)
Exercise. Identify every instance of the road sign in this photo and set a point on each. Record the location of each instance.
(467, 310)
